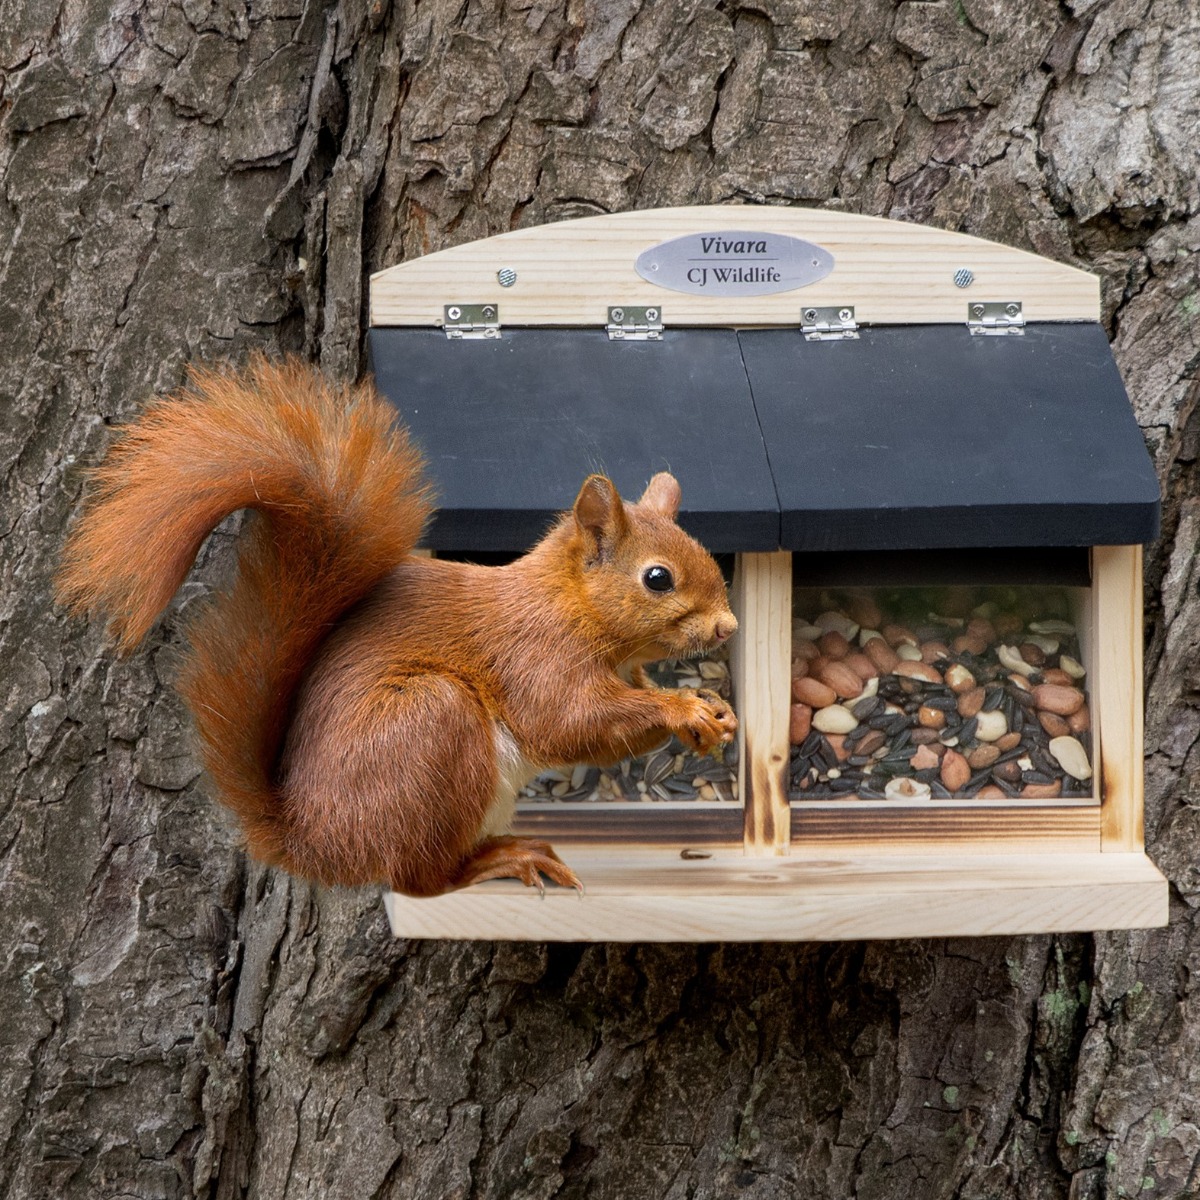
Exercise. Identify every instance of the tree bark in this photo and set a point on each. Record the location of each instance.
(189, 181)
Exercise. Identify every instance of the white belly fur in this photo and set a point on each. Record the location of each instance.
(513, 772)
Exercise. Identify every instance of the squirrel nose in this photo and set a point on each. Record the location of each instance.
(725, 627)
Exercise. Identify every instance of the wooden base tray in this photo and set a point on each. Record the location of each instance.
(655, 895)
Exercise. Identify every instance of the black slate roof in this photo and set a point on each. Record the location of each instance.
(909, 437)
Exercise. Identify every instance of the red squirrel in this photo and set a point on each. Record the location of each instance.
(369, 714)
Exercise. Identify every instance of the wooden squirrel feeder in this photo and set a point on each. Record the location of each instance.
(854, 407)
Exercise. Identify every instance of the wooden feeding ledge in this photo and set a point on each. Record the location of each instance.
(913, 453)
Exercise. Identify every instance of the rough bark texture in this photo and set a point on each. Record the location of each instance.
(188, 180)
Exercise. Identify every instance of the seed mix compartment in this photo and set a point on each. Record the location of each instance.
(1003, 477)
(920, 695)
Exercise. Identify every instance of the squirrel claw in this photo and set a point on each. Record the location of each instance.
(712, 723)
(526, 859)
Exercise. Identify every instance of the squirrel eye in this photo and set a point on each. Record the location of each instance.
(658, 579)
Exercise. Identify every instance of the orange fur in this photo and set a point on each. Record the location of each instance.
(357, 706)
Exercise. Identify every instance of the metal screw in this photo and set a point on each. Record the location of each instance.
(977, 310)
(454, 312)
(845, 314)
(617, 314)
(507, 276)
(963, 277)
(652, 314)
(489, 312)
(1012, 309)
(810, 314)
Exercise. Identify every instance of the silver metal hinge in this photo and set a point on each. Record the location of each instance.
(828, 324)
(471, 320)
(627, 323)
(995, 318)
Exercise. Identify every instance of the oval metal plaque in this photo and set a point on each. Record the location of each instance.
(734, 262)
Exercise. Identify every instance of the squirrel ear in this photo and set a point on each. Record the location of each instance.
(662, 494)
(600, 514)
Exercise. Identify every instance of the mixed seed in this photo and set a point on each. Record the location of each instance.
(669, 773)
(955, 693)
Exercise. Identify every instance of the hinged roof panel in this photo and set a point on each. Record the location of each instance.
(924, 437)
(512, 426)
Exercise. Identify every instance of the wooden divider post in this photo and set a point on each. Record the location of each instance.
(761, 659)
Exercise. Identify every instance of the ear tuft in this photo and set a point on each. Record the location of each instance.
(663, 495)
(600, 514)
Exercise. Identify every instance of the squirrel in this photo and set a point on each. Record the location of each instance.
(369, 714)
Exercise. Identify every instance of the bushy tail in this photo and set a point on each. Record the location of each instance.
(342, 501)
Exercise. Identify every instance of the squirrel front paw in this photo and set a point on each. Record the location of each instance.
(709, 722)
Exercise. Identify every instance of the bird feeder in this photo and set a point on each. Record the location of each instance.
(913, 453)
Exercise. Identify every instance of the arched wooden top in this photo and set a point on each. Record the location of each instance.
(891, 272)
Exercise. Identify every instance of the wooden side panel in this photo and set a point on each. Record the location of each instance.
(568, 273)
(1117, 692)
(656, 895)
(761, 661)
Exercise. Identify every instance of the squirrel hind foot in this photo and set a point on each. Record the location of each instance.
(526, 859)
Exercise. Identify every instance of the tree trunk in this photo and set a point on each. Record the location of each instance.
(188, 181)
